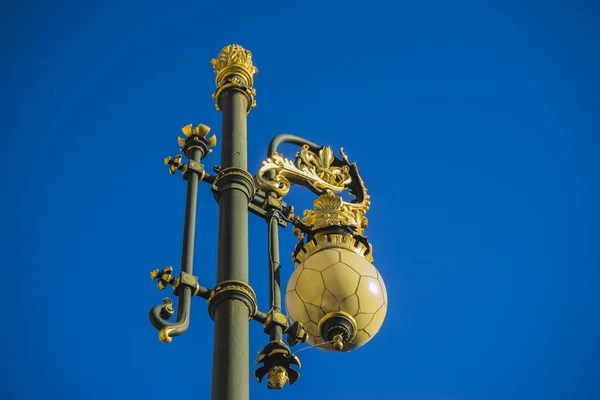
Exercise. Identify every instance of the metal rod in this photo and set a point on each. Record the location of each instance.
(231, 338)
(187, 252)
(189, 223)
(293, 139)
(276, 332)
(167, 329)
(260, 317)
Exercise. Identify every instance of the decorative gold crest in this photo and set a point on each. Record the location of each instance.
(277, 377)
(277, 174)
(234, 59)
(308, 166)
(331, 210)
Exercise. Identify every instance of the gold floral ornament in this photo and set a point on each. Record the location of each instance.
(200, 131)
(234, 61)
(331, 210)
(278, 173)
(277, 377)
(308, 167)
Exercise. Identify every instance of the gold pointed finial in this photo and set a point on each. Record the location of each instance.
(233, 68)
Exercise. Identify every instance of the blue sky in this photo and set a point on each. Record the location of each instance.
(474, 124)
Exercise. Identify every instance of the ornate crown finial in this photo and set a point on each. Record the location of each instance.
(234, 59)
(330, 210)
(234, 62)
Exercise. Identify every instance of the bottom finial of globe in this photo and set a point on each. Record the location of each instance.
(338, 342)
(277, 377)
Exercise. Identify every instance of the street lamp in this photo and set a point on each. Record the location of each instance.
(335, 298)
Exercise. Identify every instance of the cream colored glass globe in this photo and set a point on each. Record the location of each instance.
(336, 279)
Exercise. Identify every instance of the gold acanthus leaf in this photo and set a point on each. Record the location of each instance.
(234, 54)
(330, 210)
(234, 59)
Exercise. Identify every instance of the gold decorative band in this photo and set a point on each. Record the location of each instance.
(233, 289)
(234, 178)
(333, 240)
(238, 85)
(229, 171)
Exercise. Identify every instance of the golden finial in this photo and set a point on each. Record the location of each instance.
(234, 62)
(277, 377)
(338, 342)
(234, 59)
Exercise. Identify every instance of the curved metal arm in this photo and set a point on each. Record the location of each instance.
(293, 139)
(298, 141)
(356, 185)
(159, 315)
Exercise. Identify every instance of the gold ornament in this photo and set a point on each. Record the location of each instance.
(234, 59)
(307, 167)
(234, 62)
(277, 377)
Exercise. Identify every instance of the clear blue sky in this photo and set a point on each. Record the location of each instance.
(475, 125)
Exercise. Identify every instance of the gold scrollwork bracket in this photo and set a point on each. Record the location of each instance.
(278, 173)
(323, 171)
(333, 220)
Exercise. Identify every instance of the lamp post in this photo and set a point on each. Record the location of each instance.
(335, 299)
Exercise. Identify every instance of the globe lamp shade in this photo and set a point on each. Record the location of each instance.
(337, 290)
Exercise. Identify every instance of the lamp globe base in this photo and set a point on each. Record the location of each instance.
(338, 328)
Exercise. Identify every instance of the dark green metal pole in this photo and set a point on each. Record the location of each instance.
(230, 355)
(189, 224)
(276, 331)
(187, 253)
(233, 308)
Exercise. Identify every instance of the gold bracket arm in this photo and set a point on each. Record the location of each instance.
(278, 173)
